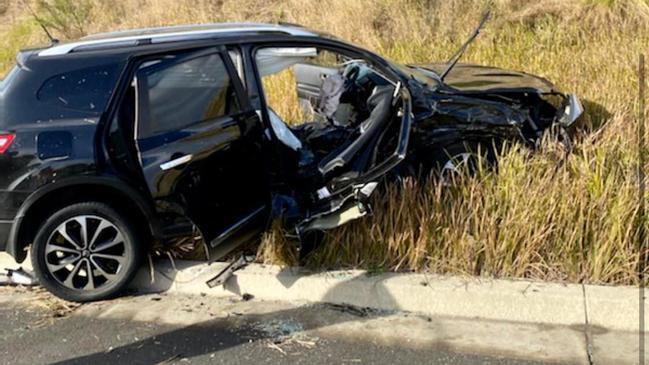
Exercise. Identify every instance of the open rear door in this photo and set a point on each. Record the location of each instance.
(198, 142)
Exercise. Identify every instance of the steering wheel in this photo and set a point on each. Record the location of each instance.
(351, 72)
(355, 93)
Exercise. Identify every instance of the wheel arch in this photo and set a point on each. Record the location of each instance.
(427, 146)
(51, 197)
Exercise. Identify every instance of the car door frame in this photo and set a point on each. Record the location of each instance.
(356, 190)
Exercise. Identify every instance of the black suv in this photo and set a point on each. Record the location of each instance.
(119, 140)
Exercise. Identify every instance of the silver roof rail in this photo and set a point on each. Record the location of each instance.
(168, 34)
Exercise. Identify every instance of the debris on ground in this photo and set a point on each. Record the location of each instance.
(275, 347)
(246, 297)
(57, 308)
(229, 270)
(19, 276)
(280, 333)
(354, 310)
(278, 329)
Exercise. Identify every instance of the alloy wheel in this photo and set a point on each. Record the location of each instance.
(456, 166)
(85, 253)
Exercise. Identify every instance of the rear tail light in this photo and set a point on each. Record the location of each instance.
(5, 141)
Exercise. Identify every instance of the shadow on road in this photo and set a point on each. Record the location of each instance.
(220, 334)
(187, 342)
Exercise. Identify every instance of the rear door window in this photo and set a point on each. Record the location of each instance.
(86, 89)
(178, 95)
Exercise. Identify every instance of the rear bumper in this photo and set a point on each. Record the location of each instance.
(5, 228)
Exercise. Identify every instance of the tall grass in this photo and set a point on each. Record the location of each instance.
(541, 215)
(281, 96)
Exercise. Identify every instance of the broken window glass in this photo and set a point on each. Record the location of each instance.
(86, 89)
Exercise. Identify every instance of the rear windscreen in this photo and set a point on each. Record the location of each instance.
(87, 89)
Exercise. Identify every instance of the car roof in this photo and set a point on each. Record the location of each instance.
(172, 34)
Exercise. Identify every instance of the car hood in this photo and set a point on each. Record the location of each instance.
(466, 78)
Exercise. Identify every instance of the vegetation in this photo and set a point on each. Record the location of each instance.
(543, 215)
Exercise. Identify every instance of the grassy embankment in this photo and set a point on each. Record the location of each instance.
(540, 216)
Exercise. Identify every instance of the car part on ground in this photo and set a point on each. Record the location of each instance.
(229, 270)
(19, 276)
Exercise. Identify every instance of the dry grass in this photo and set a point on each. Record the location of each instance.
(539, 216)
(281, 96)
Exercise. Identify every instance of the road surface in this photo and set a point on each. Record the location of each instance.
(160, 329)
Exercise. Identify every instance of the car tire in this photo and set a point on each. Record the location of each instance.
(86, 252)
(466, 157)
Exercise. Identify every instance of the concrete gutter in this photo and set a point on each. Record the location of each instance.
(612, 308)
(605, 307)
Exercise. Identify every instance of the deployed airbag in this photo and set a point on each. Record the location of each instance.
(274, 60)
(283, 133)
(330, 91)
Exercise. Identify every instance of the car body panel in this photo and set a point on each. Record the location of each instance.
(485, 104)
(468, 78)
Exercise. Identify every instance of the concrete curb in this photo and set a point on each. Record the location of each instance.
(613, 308)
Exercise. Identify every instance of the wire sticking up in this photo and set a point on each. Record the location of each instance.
(41, 23)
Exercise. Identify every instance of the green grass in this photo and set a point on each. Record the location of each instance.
(15, 38)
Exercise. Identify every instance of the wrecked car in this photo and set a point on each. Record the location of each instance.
(118, 140)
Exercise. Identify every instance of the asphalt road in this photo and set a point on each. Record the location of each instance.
(162, 330)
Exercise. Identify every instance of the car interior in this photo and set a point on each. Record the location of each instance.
(340, 110)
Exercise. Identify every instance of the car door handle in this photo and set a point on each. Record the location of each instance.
(176, 162)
